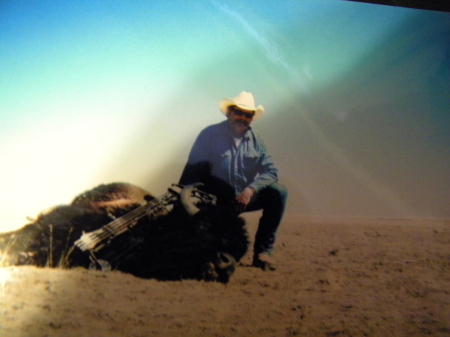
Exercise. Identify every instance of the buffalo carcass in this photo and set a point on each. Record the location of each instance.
(189, 241)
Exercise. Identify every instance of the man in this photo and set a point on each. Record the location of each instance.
(233, 162)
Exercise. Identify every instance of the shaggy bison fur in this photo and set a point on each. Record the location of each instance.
(174, 246)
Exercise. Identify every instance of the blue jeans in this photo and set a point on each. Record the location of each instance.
(272, 200)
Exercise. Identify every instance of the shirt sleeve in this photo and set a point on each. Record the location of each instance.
(198, 166)
(267, 172)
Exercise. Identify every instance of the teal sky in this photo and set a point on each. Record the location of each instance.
(98, 91)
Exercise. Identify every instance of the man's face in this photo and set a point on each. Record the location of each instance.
(239, 120)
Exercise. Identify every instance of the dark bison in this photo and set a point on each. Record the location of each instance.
(186, 238)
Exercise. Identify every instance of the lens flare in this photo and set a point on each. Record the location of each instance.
(5, 274)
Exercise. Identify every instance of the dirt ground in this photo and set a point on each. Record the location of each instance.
(335, 277)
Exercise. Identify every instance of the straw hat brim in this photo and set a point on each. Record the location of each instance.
(227, 102)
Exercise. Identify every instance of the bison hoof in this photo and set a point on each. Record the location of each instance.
(99, 264)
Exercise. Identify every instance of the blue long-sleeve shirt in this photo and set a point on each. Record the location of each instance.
(247, 165)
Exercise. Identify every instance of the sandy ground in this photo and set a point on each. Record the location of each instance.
(335, 277)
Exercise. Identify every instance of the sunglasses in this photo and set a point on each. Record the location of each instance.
(248, 115)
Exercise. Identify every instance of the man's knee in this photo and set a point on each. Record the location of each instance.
(273, 196)
(278, 192)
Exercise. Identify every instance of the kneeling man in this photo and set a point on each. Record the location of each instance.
(232, 154)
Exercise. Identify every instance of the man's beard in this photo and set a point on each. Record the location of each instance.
(244, 123)
(238, 127)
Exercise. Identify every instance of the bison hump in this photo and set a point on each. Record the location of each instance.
(114, 192)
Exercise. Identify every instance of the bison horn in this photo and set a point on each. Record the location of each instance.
(186, 199)
(225, 261)
(225, 266)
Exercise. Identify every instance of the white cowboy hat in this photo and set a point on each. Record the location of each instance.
(244, 101)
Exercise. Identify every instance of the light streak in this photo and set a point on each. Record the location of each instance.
(271, 49)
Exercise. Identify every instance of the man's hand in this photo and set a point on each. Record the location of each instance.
(243, 199)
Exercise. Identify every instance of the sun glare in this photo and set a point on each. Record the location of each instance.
(5, 274)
